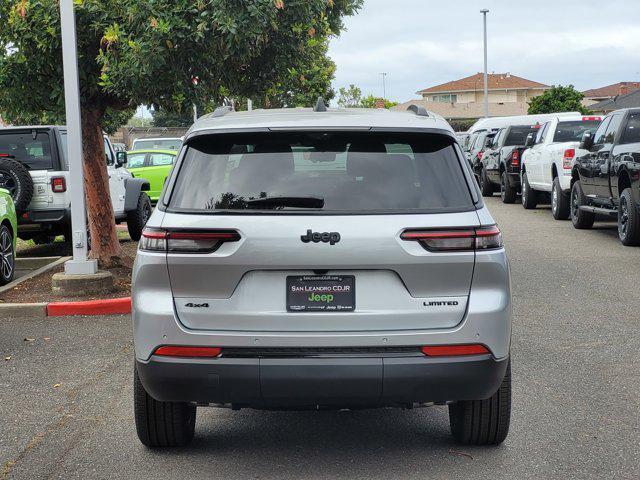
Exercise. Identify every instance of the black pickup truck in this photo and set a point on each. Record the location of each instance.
(606, 180)
(499, 167)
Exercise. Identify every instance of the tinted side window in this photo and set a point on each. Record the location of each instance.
(108, 153)
(613, 129)
(160, 159)
(598, 137)
(632, 132)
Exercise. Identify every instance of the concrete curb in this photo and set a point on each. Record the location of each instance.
(34, 273)
(34, 310)
(110, 306)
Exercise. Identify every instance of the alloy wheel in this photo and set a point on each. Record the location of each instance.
(6, 254)
(623, 222)
(575, 203)
(8, 182)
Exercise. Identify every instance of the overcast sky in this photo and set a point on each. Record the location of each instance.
(421, 43)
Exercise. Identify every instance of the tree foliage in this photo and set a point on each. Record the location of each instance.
(558, 99)
(351, 97)
(166, 53)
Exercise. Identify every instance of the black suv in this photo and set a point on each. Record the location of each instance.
(500, 163)
(606, 180)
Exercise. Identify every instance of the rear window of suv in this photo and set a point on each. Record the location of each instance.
(340, 171)
(32, 151)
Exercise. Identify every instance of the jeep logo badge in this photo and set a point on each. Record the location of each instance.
(326, 237)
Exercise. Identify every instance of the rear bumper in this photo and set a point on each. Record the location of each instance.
(299, 382)
(44, 220)
(513, 178)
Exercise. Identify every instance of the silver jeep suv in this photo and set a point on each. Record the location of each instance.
(321, 258)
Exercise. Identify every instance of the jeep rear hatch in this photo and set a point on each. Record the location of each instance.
(346, 198)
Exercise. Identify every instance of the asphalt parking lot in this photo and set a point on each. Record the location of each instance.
(67, 411)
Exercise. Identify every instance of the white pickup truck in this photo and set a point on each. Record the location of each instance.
(547, 162)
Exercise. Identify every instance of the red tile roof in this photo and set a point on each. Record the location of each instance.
(497, 81)
(610, 91)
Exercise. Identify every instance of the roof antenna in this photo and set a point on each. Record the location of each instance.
(419, 110)
(320, 105)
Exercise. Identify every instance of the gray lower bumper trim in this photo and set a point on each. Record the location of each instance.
(339, 381)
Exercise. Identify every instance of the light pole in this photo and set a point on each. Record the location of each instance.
(384, 85)
(80, 265)
(486, 75)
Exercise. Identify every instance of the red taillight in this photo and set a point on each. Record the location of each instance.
(454, 350)
(185, 351)
(480, 155)
(186, 241)
(567, 158)
(591, 119)
(467, 239)
(515, 158)
(58, 184)
(4, 155)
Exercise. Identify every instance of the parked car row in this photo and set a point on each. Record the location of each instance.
(582, 165)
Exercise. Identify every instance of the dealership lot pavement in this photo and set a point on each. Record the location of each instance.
(66, 390)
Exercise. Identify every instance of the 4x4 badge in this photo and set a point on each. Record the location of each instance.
(327, 237)
(196, 305)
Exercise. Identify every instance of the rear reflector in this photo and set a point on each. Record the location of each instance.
(202, 241)
(184, 351)
(454, 350)
(567, 158)
(467, 239)
(58, 184)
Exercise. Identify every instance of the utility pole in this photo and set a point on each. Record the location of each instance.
(384, 85)
(486, 67)
(80, 265)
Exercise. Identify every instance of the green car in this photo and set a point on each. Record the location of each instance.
(8, 236)
(152, 165)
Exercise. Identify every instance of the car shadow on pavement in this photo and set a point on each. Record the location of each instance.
(333, 444)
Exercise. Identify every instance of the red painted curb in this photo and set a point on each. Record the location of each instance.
(92, 307)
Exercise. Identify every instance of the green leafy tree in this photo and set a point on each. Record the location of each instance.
(370, 101)
(350, 97)
(169, 53)
(165, 118)
(558, 99)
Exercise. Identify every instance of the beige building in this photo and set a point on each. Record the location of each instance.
(464, 98)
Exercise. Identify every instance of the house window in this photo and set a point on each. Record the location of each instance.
(445, 98)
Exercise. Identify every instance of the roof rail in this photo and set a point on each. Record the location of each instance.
(320, 105)
(419, 110)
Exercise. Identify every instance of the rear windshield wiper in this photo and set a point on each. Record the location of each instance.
(275, 202)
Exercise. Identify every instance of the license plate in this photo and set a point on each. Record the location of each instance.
(321, 293)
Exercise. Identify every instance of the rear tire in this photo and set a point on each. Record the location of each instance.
(507, 192)
(43, 239)
(485, 183)
(161, 424)
(529, 196)
(137, 219)
(483, 422)
(628, 220)
(580, 219)
(560, 202)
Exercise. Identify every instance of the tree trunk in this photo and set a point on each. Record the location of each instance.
(105, 246)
